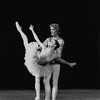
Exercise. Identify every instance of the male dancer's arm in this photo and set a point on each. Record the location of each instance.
(59, 50)
(25, 40)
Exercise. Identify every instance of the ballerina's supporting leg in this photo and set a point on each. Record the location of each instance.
(37, 88)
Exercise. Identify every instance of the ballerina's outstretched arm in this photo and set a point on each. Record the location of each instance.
(25, 40)
(65, 62)
(36, 37)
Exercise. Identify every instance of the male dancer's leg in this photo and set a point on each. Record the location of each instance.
(46, 81)
(56, 72)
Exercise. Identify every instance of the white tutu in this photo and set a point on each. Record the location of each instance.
(31, 61)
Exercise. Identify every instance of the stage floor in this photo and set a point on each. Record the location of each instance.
(62, 95)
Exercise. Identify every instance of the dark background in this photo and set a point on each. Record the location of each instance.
(79, 27)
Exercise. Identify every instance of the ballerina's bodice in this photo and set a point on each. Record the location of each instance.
(49, 51)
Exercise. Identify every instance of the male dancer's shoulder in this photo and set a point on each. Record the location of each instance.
(60, 40)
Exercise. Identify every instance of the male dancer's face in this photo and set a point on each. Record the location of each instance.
(53, 31)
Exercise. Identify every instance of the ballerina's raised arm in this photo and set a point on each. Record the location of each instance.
(36, 37)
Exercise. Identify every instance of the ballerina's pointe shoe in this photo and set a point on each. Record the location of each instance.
(36, 98)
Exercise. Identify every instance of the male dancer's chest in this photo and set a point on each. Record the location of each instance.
(51, 42)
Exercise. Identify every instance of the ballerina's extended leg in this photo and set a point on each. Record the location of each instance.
(24, 37)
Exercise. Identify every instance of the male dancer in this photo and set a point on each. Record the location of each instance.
(58, 42)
